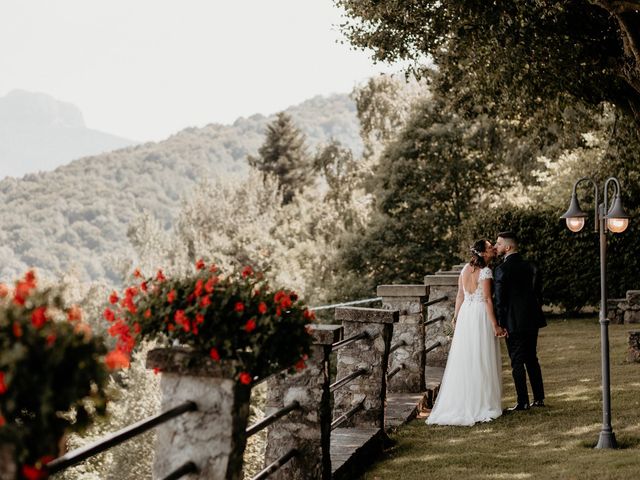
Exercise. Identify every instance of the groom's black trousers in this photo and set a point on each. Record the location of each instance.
(522, 351)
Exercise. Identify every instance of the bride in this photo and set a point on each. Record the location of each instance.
(471, 389)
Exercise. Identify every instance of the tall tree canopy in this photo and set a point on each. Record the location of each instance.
(284, 155)
(510, 54)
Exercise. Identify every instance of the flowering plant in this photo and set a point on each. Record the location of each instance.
(234, 317)
(52, 373)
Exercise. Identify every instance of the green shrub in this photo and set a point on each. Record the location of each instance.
(569, 262)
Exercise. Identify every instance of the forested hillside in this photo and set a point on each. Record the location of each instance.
(76, 217)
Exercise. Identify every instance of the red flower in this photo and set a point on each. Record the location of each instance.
(136, 273)
(160, 276)
(198, 289)
(308, 314)
(200, 264)
(3, 386)
(213, 353)
(247, 271)
(213, 268)
(250, 326)
(171, 296)
(300, 365)
(147, 313)
(51, 339)
(156, 371)
(74, 314)
(39, 317)
(181, 319)
(116, 359)
(278, 296)
(131, 292)
(4, 290)
(143, 287)
(262, 308)
(33, 473)
(3, 421)
(108, 315)
(245, 378)
(199, 318)
(21, 293)
(136, 328)
(113, 298)
(206, 301)
(30, 279)
(17, 330)
(210, 284)
(239, 307)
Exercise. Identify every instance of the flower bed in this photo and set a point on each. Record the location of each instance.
(52, 373)
(236, 317)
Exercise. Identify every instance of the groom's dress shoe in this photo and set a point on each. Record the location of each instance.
(518, 407)
(538, 403)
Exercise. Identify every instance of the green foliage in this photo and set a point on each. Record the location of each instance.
(513, 55)
(224, 317)
(284, 156)
(428, 180)
(52, 370)
(569, 262)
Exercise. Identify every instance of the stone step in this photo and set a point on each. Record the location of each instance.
(402, 408)
(433, 379)
(352, 450)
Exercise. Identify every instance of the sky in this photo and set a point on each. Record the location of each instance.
(144, 69)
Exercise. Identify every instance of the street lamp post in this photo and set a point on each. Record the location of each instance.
(615, 220)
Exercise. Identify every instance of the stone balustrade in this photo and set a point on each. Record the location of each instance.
(408, 335)
(213, 437)
(371, 354)
(307, 429)
(444, 284)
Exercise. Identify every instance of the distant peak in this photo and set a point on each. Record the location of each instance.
(39, 109)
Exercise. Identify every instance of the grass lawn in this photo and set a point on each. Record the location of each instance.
(551, 443)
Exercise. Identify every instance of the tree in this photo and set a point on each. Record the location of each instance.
(284, 155)
(435, 174)
(513, 55)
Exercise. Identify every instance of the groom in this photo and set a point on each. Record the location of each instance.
(519, 311)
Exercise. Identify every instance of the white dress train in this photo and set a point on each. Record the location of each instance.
(471, 388)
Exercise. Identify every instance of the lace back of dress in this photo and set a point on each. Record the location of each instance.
(478, 294)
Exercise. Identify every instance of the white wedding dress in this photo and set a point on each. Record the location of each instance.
(471, 389)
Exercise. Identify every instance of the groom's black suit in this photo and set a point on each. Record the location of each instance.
(519, 311)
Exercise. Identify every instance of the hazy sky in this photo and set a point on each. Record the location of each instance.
(144, 69)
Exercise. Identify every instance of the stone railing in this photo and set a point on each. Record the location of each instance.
(376, 351)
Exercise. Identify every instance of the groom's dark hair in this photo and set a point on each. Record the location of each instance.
(508, 235)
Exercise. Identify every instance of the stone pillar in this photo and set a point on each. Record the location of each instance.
(308, 429)
(440, 285)
(409, 331)
(8, 469)
(632, 307)
(634, 346)
(371, 354)
(213, 437)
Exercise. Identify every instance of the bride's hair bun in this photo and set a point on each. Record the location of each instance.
(477, 249)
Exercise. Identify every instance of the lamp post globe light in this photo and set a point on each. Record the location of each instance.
(615, 220)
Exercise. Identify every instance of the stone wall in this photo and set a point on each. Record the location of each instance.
(624, 310)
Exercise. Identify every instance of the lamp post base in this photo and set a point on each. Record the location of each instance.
(607, 440)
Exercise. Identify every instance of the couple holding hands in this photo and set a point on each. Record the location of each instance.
(490, 305)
